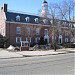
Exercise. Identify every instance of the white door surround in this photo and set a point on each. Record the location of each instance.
(60, 39)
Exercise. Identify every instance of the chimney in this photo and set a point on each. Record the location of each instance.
(4, 8)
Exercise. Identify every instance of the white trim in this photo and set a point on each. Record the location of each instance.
(27, 23)
(46, 37)
(37, 39)
(36, 20)
(30, 39)
(19, 38)
(26, 39)
(4, 16)
(71, 39)
(66, 40)
(27, 19)
(17, 18)
(18, 30)
(60, 37)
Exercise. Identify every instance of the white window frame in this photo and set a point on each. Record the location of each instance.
(66, 40)
(18, 30)
(45, 21)
(37, 39)
(37, 31)
(30, 39)
(26, 39)
(17, 18)
(28, 30)
(27, 19)
(36, 20)
(66, 33)
(46, 31)
(17, 39)
(71, 39)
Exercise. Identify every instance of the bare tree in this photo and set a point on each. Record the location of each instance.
(66, 9)
(53, 15)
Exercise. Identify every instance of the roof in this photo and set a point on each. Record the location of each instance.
(11, 16)
(45, 1)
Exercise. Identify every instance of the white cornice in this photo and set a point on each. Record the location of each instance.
(26, 23)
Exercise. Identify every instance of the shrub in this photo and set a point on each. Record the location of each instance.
(68, 45)
(41, 42)
(3, 41)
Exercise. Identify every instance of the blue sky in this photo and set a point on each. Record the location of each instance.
(31, 6)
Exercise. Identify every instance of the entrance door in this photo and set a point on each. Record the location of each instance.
(46, 41)
(60, 39)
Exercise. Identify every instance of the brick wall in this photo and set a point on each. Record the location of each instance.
(11, 32)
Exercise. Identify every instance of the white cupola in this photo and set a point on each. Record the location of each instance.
(44, 12)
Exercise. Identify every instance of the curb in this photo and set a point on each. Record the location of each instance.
(11, 57)
(39, 55)
(43, 55)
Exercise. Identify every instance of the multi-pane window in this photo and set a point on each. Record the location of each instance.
(27, 19)
(28, 39)
(66, 33)
(60, 32)
(18, 30)
(18, 39)
(36, 20)
(18, 18)
(46, 31)
(66, 39)
(45, 21)
(28, 30)
(37, 39)
(37, 31)
(71, 39)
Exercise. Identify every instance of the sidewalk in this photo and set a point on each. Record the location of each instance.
(4, 54)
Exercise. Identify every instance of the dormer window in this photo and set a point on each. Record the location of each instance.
(18, 18)
(36, 20)
(27, 19)
(45, 21)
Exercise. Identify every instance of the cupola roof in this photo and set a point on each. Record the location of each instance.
(45, 1)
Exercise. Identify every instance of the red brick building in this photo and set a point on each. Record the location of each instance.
(19, 27)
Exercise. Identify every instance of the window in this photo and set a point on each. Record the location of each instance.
(45, 21)
(28, 39)
(71, 39)
(60, 32)
(37, 31)
(27, 19)
(18, 18)
(74, 25)
(37, 39)
(65, 24)
(18, 30)
(18, 39)
(46, 31)
(28, 30)
(66, 33)
(36, 20)
(66, 39)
